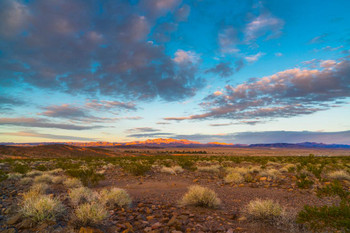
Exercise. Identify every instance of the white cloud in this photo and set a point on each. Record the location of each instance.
(182, 56)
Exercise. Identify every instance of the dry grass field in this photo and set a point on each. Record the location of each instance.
(176, 190)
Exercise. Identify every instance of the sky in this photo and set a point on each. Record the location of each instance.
(234, 71)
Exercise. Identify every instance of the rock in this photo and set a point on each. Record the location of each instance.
(262, 178)
(129, 226)
(25, 224)
(11, 230)
(156, 225)
(89, 230)
(14, 219)
(172, 221)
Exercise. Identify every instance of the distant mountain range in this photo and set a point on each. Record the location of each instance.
(169, 142)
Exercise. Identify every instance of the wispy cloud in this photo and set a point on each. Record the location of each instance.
(31, 134)
(285, 94)
(43, 123)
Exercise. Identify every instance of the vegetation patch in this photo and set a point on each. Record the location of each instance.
(200, 196)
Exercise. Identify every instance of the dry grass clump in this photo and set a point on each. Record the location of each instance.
(91, 213)
(81, 195)
(288, 168)
(254, 169)
(263, 210)
(339, 175)
(210, 169)
(34, 173)
(115, 197)
(72, 183)
(44, 178)
(58, 179)
(200, 196)
(167, 170)
(172, 170)
(41, 207)
(36, 189)
(234, 177)
(271, 163)
(272, 173)
(55, 171)
(14, 176)
(26, 180)
(240, 170)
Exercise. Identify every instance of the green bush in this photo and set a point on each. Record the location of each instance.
(3, 176)
(20, 168)
(303, 181)
(86, 176)
(328, 218)
(137, 168)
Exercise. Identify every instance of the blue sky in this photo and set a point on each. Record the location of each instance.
(229, 71)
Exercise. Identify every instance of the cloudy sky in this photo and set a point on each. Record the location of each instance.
(240, 71)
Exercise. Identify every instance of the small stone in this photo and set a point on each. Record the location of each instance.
(156, 225)
(262, 178)
(14, 219)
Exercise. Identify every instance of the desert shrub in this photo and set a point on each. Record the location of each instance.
(241, 170)
(177, 169)
(72, 183)
(3, 176)
(167, 170)
(187, 164)
(138, 168)
(200, 196)
(248, 178)
(316, 169)
(254, 169)
(81, 195)
(58, 179)
(34, 173)
(272, 173)
(266, 210)
(338, 175)
(209, 169)
(41, 208)
(171, 170)
(44, 178)
(328, 218)
(14, 176)
(36, 189)
(234, 177)
(115, 197)
(86, 176)
(55, 171)
(271, 163)
(91, 213)
(41, 167)
(304, 182)
(20, 168)
(26, 180)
